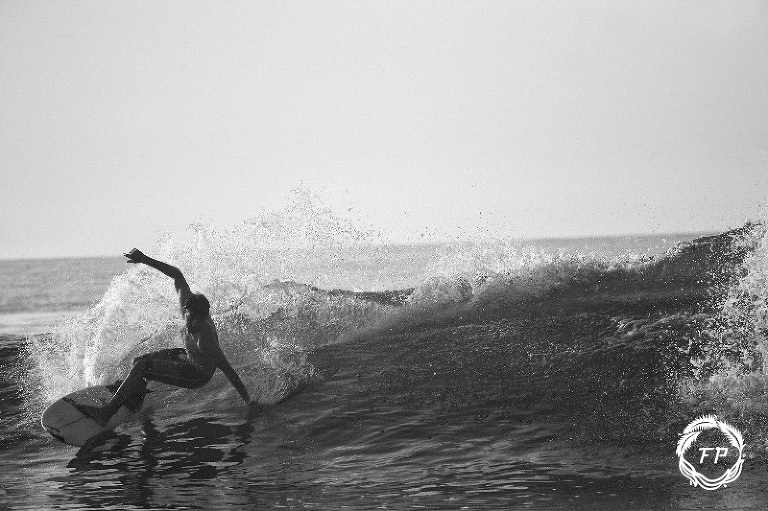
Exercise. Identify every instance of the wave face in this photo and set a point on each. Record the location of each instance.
(502, 361)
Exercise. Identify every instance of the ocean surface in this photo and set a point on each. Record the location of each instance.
(551, 374)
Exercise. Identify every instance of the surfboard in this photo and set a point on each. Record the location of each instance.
(65, 422)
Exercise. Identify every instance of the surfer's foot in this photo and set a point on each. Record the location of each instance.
(97, 413)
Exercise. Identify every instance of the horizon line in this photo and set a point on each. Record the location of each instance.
(424, 242)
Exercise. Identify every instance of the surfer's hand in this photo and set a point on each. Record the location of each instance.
(135, 256)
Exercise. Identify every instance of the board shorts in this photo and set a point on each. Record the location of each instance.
(174, 367)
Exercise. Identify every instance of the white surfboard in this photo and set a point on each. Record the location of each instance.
(65, 422)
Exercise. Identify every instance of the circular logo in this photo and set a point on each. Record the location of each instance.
(711, 454)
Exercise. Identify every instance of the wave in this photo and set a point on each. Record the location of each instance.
(625, 347)
(629, 348)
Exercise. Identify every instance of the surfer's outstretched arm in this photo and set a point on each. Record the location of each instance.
(136, 256)
(223, 364)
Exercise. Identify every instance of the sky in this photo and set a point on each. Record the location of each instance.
(122, 121)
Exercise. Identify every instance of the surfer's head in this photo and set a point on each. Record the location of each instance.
(196, 309)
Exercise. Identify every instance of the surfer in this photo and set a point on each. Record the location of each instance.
(191, 366)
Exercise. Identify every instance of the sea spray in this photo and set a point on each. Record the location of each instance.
(515, 268)
(250, 275)
(744, 312)
(472, 281)
(731, 377)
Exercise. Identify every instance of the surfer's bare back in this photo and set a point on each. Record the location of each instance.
(191, 366)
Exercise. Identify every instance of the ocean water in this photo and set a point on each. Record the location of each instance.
(555, 374)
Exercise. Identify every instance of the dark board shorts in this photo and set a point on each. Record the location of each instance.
(174, 367)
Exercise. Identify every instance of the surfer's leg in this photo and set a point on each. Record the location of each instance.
(171, 366)
(179, 372)
(133, 385)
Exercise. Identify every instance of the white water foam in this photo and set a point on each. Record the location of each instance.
(239, 270)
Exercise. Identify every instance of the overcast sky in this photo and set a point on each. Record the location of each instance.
(124, 120)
